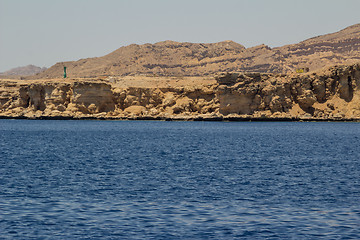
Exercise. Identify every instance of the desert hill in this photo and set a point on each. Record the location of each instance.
(23, 71)
(342, 47)
(171, 58)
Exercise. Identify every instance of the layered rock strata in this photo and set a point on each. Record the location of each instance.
(330, 94)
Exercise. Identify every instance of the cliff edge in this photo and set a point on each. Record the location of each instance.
(328, 94)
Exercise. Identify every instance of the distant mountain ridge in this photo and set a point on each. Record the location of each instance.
(24, 71)
(170, 58)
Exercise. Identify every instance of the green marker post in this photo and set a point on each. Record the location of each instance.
(64, 72)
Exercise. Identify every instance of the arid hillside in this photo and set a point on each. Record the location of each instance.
(23, 71)
(171, 58)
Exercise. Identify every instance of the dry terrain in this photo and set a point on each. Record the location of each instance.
(328, 94)
(22, 71)
(194, 81)
(171, 58)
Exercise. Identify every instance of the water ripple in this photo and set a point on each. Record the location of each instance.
(179, 180)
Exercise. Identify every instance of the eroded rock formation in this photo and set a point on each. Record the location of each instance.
(330, 94)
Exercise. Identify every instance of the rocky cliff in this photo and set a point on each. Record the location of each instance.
(171, 58)
(329, 94)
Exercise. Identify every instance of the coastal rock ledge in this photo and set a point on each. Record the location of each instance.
(331, 94)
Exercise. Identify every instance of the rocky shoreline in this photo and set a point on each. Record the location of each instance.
(191, 119)
(330, 94)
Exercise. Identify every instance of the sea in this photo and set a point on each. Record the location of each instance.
(85, 179)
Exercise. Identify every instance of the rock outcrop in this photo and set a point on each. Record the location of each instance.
(329, 94)
(171, 58)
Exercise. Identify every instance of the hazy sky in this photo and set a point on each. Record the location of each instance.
(43, 32)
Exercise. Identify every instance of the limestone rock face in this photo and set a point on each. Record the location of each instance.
(92, 97)
(330, 94)
(70, 98)
(323, 95)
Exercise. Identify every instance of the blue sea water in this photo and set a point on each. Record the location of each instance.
(179, 180)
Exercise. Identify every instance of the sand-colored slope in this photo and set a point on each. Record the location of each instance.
(171, 58)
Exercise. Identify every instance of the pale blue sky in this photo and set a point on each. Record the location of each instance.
(43, 32)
